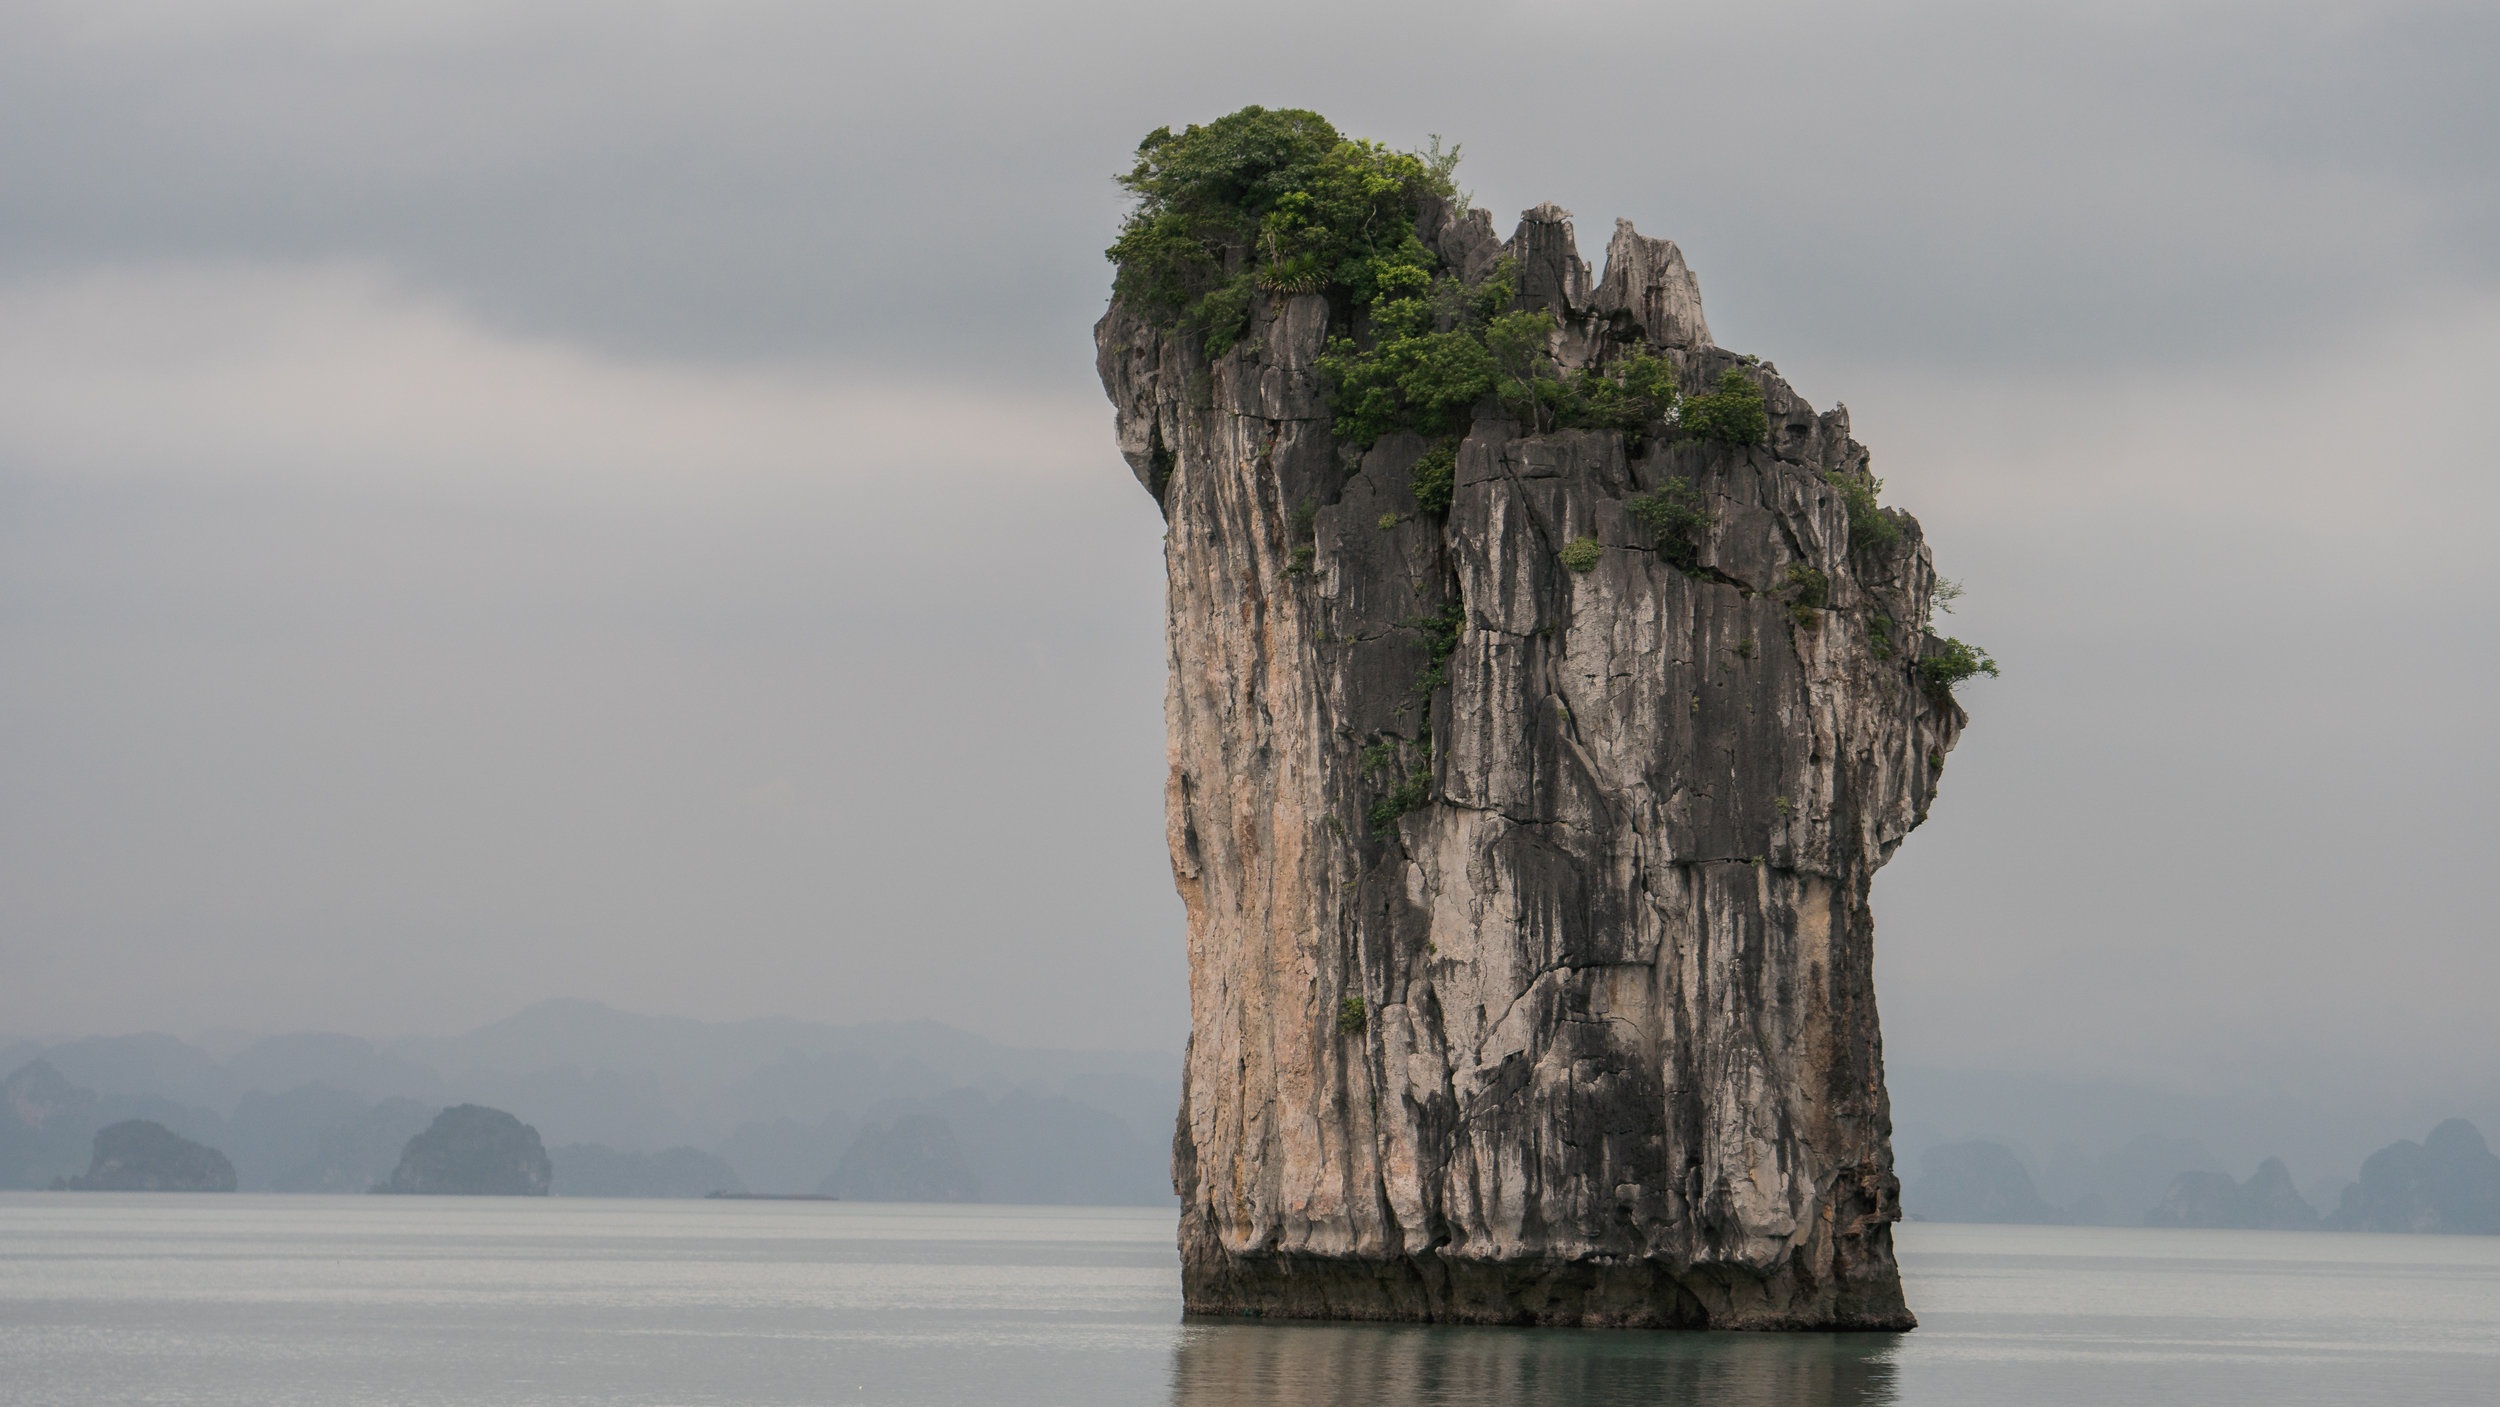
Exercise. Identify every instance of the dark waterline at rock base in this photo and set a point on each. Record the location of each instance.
(1545, 1292)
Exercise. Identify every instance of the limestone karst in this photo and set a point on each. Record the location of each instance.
(140, 1155)
(473, 1151)
(2448, 1182)
(1546, 687)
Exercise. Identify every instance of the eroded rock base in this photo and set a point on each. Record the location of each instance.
(1590, 1294)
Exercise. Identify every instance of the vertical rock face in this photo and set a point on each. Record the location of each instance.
(1528, 929)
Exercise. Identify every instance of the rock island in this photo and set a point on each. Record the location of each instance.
(1547, 684)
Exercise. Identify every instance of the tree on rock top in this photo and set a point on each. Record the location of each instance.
(1272, 199)
(473, 1151)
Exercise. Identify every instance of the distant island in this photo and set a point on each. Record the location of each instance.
(641, 1106)
(2447, 1183)
(137, 1155)
(473, 1151)
(626, 1105)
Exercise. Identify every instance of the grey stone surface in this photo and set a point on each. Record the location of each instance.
(1589, 1036)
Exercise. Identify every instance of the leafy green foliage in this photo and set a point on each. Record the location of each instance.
(1268, 199)
(1404, 797)
(1424, 381)
(1871, 529)
(1948, 662)
(1581, 554)
(1279, 201)
(1435, 478)
(1441, 170)
(1633, 391)
(1734, 413)
(1404, 794)
(1425, 362)
(1441, 631)
(1806, 590)
(1674, 515)
(1352, 1016)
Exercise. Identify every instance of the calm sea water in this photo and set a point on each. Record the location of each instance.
(131, 1299)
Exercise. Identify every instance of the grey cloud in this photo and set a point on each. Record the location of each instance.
(609, 501)
(1949, 184)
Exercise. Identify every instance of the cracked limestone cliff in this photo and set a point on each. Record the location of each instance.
(1530, 954)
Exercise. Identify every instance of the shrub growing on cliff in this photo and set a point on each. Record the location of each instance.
(1734, 414)
(1633, 390)
(1806, 590)
(1581, 554)
(1871, 529)
(1407, 795)
(1637, 389)
(1675, 517)
(1441, 631)
(1425, 358)
(1411, 377)
(1948, 662)
(1436, 478)
(1352, 1016)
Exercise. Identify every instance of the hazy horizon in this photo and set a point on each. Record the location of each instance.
(524, 502)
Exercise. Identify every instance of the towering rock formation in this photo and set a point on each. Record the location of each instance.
(1526, 846)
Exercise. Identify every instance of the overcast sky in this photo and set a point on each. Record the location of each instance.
(518, 500)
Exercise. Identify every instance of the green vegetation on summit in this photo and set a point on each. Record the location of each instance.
(1277, 200)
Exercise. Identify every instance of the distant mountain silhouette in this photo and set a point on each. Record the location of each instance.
(45, 1123)
(2266, 1202)
(136, 1155)
(914, 1158)
(780, 1101)
(473, 1151)
(2449, 1182)
(1974, 1181)
(358, 1154)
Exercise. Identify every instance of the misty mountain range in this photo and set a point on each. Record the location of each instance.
(633, 1105)
(627, 1105)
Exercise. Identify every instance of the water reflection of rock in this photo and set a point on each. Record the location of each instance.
(1366, 1365)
